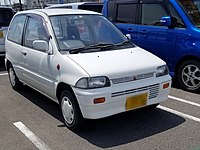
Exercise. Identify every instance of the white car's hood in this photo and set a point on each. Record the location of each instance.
(117, 63)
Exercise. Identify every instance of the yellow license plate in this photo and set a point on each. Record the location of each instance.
(136, 101)
(1, 34)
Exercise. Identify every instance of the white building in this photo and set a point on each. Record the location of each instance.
(32, 4)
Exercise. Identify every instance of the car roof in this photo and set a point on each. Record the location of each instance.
(74, 4)
(5, 7)
(58, 11)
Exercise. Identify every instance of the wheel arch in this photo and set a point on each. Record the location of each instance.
(63, 86)
(183, 59)
(7, 64)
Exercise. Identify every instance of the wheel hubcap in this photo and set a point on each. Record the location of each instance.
(191, 76)
(67, 110)
(12, 76)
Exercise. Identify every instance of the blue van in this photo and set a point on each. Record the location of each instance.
(169, 29)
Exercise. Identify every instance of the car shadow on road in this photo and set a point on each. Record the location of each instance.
(129, 127)
(115, 130)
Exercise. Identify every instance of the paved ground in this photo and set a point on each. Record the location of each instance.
(31, 121)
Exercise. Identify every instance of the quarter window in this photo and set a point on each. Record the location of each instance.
(126, 13)
(16, 29)
(35, 31)
(152, 13)
(177, 21)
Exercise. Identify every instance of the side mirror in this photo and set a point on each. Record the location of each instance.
(41, 45)
(128, 36)
(166, 21)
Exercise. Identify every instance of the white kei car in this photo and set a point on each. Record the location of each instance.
(82, 61)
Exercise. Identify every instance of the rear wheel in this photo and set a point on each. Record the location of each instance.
(14, 81)
(72, 116)
(189, 75)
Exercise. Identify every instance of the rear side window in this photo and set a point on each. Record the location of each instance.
(94, 7)
(126, 13)
(16, 29)
(6, 15)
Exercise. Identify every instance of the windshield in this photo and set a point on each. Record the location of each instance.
(79, 31)
(192, 8)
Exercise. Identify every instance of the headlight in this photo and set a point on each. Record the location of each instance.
(93, 82)
(162, 70)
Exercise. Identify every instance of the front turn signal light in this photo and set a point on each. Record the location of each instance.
(165, 86)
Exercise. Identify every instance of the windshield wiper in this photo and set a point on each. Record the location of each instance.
(124, 43)
(99, 46)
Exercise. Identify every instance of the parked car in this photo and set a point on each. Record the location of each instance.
(6, 14)
(166, 28)
(81, 60)
(92, 6)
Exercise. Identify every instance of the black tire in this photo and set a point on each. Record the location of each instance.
(14, 80)
(71, 113)
(189, 75)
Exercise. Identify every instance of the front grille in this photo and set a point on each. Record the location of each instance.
(132, 78)
(153, 91)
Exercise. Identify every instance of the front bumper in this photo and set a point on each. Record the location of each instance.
(116, 96)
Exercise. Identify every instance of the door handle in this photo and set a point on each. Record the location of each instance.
(24, 53)
(143, 32)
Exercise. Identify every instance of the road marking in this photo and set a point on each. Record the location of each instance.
(3, 74)
(179, 113)
(184, 101)
(31, 136)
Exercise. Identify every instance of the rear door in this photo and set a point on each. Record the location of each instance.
(14, 43)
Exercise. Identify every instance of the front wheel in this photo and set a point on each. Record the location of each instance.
(72, 116)
(189, 75)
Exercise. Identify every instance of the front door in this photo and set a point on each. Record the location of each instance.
(37, 64)
(157, 39)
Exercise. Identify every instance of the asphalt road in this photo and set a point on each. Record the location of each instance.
(29, 121)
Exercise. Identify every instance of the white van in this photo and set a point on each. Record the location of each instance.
(81, 60)
(6, 14)
(92, 6)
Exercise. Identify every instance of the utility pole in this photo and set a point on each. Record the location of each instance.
(5, 2)
(20, 5)
(10, 3)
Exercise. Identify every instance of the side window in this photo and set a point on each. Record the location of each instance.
(92, 7)
(152, 13)
(110, 9)
(35, 31)
(177, 21)
(16, 29)
(126, 13)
